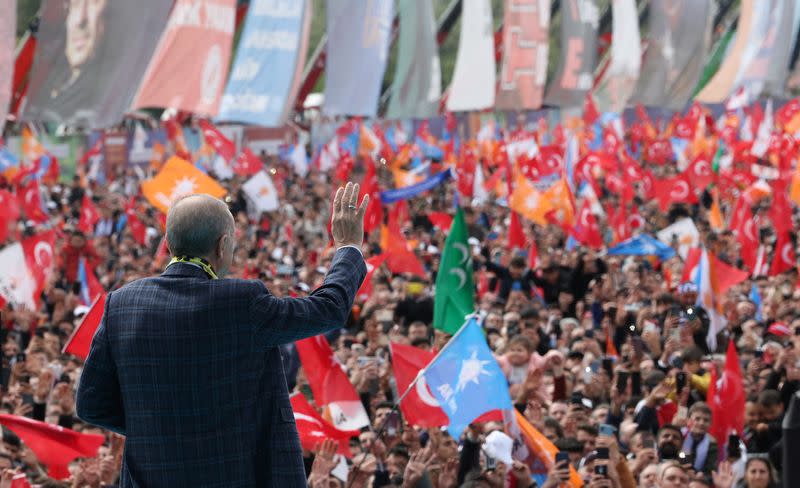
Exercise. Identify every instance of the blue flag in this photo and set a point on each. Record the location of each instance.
(391, 196)
(755, 297)
(7, 159)
(643, 245)
(466, 379)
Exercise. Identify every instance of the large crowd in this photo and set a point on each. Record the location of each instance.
(640, 420)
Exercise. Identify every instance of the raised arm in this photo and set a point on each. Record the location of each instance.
(283, 320)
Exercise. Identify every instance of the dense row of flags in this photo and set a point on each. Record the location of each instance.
(181, 57)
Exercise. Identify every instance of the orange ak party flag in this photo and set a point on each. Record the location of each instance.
(176, 179)
(529, 201)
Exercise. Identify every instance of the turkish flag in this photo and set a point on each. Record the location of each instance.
(590, 113)
(784, 256)
(81, 339)
(89, 216)
(399, 258)
(726, 397)
(779, 212)
(619, 224)
(30, 201)
(216, 139)
(586, 231)
(748, 236)
(465, 173)
(611, 142)
(516, 236)
(372, 263)
(138, 230)
(247, 163)
(39, 253)
(53, 445)
(550, 160)
(9, 213)
(330, 385)
(699, 172)
(419, 407)
(95, 150)
(786, 113)
(373, 218)
(659, 152)
(533, 254)
(673, 190)
(313, 429)
(441, 220)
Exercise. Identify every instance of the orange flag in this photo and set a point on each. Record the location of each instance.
(715, 219)
(541, 452)
(530, 202)
(176, 179)
(560, 197)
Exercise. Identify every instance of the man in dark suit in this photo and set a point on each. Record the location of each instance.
(187, 366)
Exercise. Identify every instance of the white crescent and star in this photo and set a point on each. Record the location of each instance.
(43, 249)
(424, 393)
(787, 248)
(680, 190)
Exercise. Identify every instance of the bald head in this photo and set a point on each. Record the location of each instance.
(195, 224)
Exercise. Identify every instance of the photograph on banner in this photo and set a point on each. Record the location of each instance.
(90, 59)
(619, 75)
(671, 67)
(190, 65)
(270, 57)
(575, 73)
(474, 77)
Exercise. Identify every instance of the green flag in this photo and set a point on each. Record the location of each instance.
(455, 291)
(715, 61)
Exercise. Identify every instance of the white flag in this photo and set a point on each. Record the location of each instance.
(299, 160)
(261, 192)
(685, 232)
(474, 79)
(17, 284)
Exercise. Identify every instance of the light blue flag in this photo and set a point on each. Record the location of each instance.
(358, 47)
(755, 297)
(266, 73)
(643, 245)
(391, 196)
(7, 159)
(466, 380)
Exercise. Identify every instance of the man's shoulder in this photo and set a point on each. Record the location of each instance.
(159, 282)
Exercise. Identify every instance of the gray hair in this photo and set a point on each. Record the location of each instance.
(195, 224)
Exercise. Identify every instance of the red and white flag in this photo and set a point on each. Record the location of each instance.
(30, 201)
(677, 189)
(216, 139)
(784, 258)
(313, 429)
(247, 163)
(39, 253)
(89, 216)
(330, 385)
(372, 263)
(419, 407)
(726, 397)
(80, 341)
(586, 231)
(699, 172)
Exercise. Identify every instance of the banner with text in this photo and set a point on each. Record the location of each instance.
(417, 85)
(678, 39)
(357, 51)
(269, 62)
(525, 48)
(473, 86)
(90, 59)
(189, 68)
(579, 19)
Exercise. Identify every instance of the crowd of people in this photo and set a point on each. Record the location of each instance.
(639, 419)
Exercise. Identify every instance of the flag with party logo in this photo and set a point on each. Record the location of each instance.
(178, 178)
(261, 192)
(17, 283)
(269, 61)
(455, 291)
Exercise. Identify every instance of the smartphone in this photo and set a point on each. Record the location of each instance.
(607, 430)
(622, 381)
(491, 463)
(685, 458)
(601, 470)
(393, 424)
(680, 381)
(602, 453)
(589, 334)
(797, 331)
(595, 366)
(576, 399)
(734, 450)
(563, 457)
(758, 353)
(365, 360)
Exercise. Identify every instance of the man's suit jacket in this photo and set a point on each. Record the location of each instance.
(188, 369)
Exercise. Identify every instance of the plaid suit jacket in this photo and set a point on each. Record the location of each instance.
(188, 369)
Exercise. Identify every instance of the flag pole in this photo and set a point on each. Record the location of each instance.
(396, 404)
